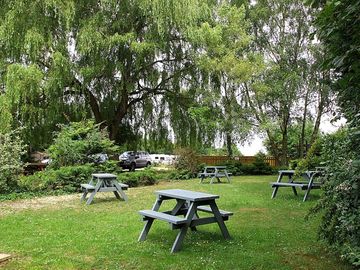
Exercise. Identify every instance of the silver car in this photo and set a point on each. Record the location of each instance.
(132, 159)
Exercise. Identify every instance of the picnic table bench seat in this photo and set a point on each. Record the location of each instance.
(208, 210)
(302, 185)
(88, 186)
(162, 216)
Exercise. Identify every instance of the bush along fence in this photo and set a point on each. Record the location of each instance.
(218, 160)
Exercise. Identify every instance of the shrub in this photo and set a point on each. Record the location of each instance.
(11, 149)
(258, 167)
(138, 178)
(340, 203)
(187, 161)
(66, 179)
(181, 175)
(78, 143)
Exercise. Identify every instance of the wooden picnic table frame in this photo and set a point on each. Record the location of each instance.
(307, 185)
(103, 182)
(188, 203)
(215, 172)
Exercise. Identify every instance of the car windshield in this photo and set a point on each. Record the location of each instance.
(126, 154)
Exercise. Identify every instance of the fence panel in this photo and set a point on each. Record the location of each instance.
(217, 160)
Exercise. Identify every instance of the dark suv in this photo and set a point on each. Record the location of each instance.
(131, 160)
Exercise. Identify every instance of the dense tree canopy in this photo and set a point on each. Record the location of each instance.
(338, 25)
(156, 72)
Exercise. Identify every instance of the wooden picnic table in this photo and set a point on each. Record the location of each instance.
(307, 184)
(214, 172)
(188, 204)
(103, 182)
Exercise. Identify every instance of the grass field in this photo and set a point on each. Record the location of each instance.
(62, 233)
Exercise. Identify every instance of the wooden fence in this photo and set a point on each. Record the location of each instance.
(216, 160)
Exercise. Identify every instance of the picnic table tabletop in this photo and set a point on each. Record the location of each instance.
(188, 195)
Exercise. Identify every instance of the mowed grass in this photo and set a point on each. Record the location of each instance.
(266, 234)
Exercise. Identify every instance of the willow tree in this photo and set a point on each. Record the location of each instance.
(223, 57)
(66, 60)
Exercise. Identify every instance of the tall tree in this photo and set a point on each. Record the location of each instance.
(105, 59)
(225, 62)
(289, 84)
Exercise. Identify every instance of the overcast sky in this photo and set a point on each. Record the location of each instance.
(256, 144)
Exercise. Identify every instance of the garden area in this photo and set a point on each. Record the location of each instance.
(62, 233)
(111, 108)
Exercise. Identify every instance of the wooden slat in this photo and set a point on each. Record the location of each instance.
(208, 210)
(87, 186)
(162, 216)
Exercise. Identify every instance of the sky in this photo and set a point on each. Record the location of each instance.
(256, 145)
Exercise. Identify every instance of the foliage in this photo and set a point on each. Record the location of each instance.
(258, 167)
(187, 161)
(339, 30)
(313, 158)
(291, 87)
(11, 166)
(293, 141)
(145, 177)
(65, 179)
(340, 202)
(79, 143)
(63, 61)
(222, 55)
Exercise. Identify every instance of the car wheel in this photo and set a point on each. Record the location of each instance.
(148, 164)
(132, 167)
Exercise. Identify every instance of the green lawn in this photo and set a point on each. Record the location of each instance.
(266, 234)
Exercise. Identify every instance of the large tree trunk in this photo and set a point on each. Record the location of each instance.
(228, 144)
(302, 138)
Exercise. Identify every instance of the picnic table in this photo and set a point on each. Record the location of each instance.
(103, 182)
(307, 184)
(188, 204)
(214, 172)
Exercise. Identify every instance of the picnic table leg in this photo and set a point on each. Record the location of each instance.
(227, 176)
(276, 187)
(117, 195)
(308, 188)
(120, 191)
(219, 220)
(83, 197)
(96, 189)
(293, 188)
(181, 235)
(149, 222)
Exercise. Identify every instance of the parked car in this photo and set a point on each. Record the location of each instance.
(132, 159)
